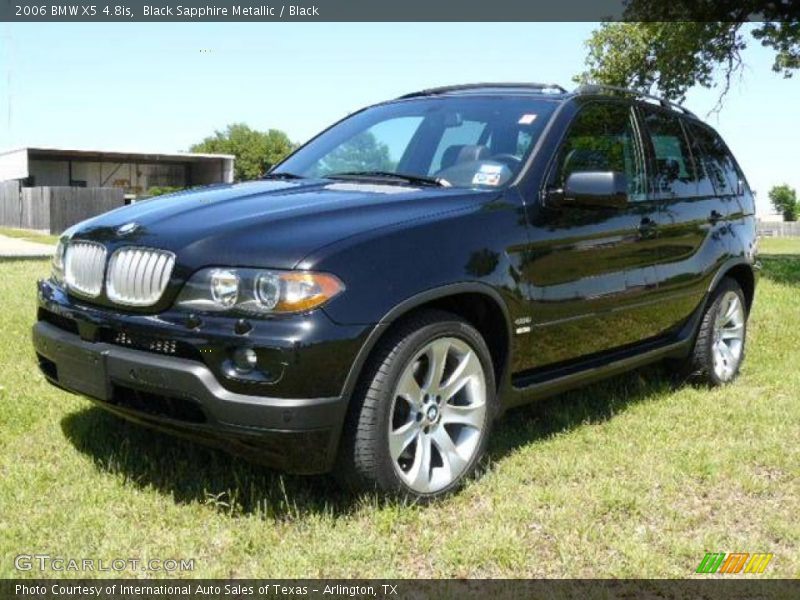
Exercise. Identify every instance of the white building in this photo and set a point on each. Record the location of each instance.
(133, 172)
(51, 189)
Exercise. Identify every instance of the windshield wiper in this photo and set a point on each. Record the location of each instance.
(281, 175)
(413, 179)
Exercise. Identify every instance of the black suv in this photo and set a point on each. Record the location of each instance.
(381, 296)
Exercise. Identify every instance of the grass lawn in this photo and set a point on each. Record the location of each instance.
(631, 477)
(28, 235)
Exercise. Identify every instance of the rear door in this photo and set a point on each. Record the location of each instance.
(693, 220)
(731, 187)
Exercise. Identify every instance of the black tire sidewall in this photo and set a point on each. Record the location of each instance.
(727, 285)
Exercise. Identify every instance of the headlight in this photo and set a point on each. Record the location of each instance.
(257, 292)
(57, 262)
(224, 288)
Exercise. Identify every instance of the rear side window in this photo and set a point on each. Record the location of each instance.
(602, 138)
(718, 161)
(675, 173)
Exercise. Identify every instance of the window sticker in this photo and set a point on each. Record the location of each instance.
(526, 119)
(488, 174)
(486, 179)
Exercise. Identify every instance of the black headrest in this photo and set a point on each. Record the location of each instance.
(459, 153)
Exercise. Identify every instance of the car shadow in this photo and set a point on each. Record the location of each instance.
(580, 407)
(781, 268)
(192, 473)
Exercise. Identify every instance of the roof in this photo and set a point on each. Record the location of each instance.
(490, 88)
(117, 156)
(543, 89)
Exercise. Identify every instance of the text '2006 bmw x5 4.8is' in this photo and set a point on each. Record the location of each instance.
(382, 295)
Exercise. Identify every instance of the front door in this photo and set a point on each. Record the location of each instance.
(589, 272)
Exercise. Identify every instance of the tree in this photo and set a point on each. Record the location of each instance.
(668, 47)
(362, 152)
(784, 200)
(255, 151)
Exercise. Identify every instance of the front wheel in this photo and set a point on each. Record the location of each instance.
(419, 424)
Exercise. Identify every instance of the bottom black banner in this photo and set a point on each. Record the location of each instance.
(317, 589)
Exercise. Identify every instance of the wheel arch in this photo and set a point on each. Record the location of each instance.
(479, 304)
(743, 273)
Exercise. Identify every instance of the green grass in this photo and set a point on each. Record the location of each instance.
(29, 235)
(636, 476)
(785, 245)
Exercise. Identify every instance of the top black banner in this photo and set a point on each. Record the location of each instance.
(398, 10)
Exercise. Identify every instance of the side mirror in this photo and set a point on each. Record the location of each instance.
(604, 189)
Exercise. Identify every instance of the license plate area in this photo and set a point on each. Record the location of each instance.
(83, 371)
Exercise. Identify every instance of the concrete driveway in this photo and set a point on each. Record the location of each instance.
(16, 248)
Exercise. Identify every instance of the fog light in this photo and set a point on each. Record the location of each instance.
(245, 359)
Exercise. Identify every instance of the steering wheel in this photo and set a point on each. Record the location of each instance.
(511, 160)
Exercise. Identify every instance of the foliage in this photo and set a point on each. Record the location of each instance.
(667, 48)
(784, 200)
(161, 190)
(255, 151)
(363, 152)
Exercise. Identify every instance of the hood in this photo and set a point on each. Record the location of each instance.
(271, 224)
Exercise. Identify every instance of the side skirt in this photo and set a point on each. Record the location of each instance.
(530, 386)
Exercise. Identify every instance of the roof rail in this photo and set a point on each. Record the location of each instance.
(477, 86)
(594, 88)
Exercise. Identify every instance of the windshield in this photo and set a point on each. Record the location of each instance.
(470, 142)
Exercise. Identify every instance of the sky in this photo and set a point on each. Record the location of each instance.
(160, 87)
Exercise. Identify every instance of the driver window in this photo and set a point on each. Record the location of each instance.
(601, 138)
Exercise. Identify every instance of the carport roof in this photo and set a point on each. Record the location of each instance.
(116, 156)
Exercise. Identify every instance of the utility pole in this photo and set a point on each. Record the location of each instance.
(9, 60)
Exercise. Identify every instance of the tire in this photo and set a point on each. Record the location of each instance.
(405, 433)
(724, 323)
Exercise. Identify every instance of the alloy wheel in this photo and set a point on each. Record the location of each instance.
(728, 336)
(438, 415)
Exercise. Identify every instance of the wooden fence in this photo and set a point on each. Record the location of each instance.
(54, 209)
(10, 204)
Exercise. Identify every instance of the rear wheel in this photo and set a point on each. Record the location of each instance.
(719, 348)
(419, 424)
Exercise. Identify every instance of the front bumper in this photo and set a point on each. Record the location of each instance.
(184, 397)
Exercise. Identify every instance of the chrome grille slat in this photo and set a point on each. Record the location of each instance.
(152, 271)
(146, 275)
(127, 275)
(84, 264)
(138, 276)
(134, 273)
